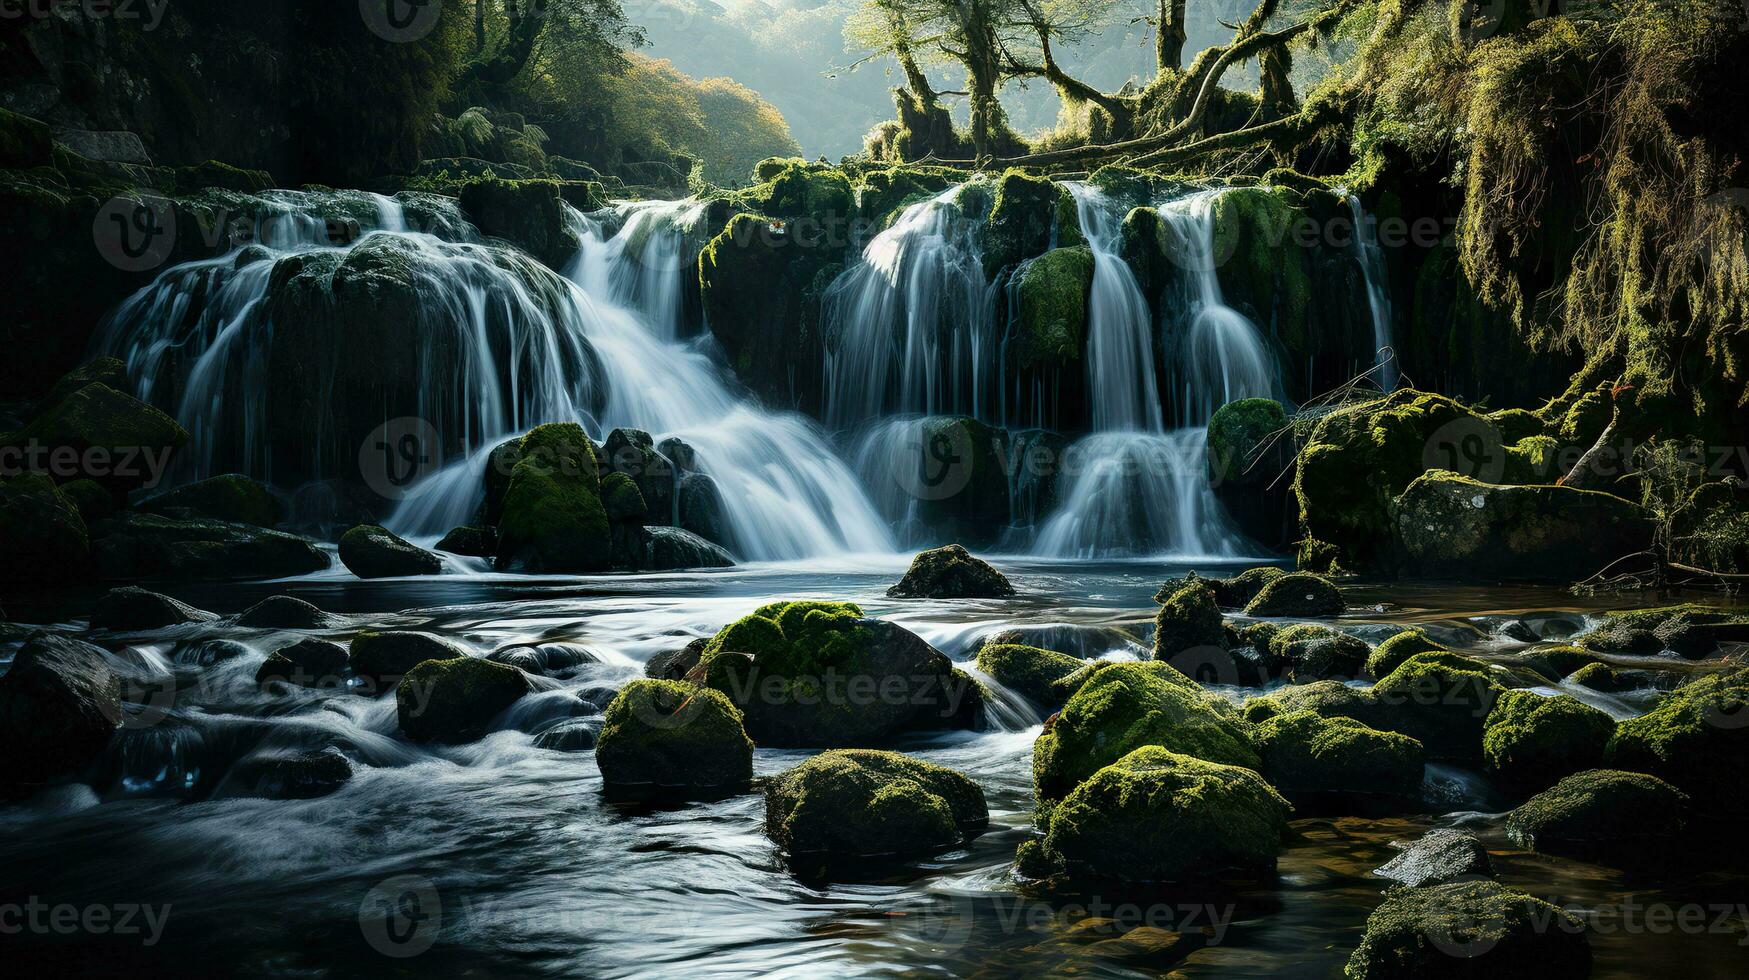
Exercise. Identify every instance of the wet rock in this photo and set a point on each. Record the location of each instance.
(1031, 672)
(1189, 619)
(1453, 526)
(59, 705)
(674, 665)
(1603, 679)
(1697, 738)
(526, 213)
(701, 509)
(1051, 329)
(276, 776)
(117, 440)
(284, 612)
(1304, 753)
(1124, 706)
(672, 735)
(1329, 699)
(1297, 594)
(370, 551)
(671, 548)
(1248, 451)
(544, 659)
(1692, 631)
(90, 499)
(863, 803)
(1156, 815)
(144, 546)
(553, 519)
(1558, 662)
(208, 652)
(1440, 857)
(575, 735)
(633, 453)
(1441, 699)
(231, 497)
(454, 701)
(1601, 812)
(1392, 653)
(132, 608)
(1518, 631)
(306, 663)
(1310, 652)
(475, 542)
(1236, 592)
(382, 659)
(1470, 929)
(42, 529)
(1530, 741)
(950, 573)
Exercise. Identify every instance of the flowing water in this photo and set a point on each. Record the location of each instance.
(1378, 292)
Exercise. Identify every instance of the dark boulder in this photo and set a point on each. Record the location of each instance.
(951, 573)
(42, 530)
(671, 735)
(230, 497)
(858, 803)
(145, 546)
(59, 705)
(117, 440)
(1474, 929)
(554, 659)
(369, 551)
(284, 776)
(1038, 675)
(1297, 594)
(1602, 812)
(455, 701)
(383, 658)
(474, 542)
(284, 612)
(1440, 857)
(1531, 741)
(132, 608)
(311, 663)
(553, 519)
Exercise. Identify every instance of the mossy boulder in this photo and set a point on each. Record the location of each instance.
(1303, 752)
(1560, 661)
(1029, 216)
(1440, 699)
(454, 701)
(951, 572)
(1189, 619)
(1329, 699)
(114, 438)
(1034, 673)
(552, 517)
(1439, 857)
(819, 674)
(1602, 678)
(470, 540)
(674, 736)
(308, 662)
(951, 474)
(1155, 815)
(1697, 738)
(1530, 741)
(1052, 328)
(1247, 454)
(371, 551)
(760, 290)
(133, 608)
(90, 499)
(59, 706)
(382, 658)
(1297, 594)
(529, 214)
(1392, 653)
(42, 531)
(857, 803)
(1601, 812)
(1457, 527)
(133, 546)
(231, 497)
(1312, 652)
(1124, 706)
(1473, 929)
(1689, 630)
(1237, 591)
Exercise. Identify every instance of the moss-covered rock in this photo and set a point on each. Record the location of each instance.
(1691, 630)
(1440, 699)
(1530, 741)
(674, 736)
(1189, 619)
(1392, 653)
(90, 499)
(1601, 811)
(113, 438)
(1476, 929)
(552, 516)
(59, 705)
(819, 674)
(43, 532)
(962, 463)
(308, 662)
(230, 497)
(132, 546)
(470, 540)
(382, 658)
(1602, 678)
(529, 214)
(1297, 594)
(1246, 458)
(1053, 291)
(371, 551)
(1028, 216)
(1454, 526)
(1439, 857)
(1237, 591)
(1031, 672)
(132, 608)
(1124, 706)
(454, 701)
(1559, 661)
(1329, 699)
(1311, 652)
(951, 572)
(861, 803)
(1156, 815)
(1696, 738)
(1303, 752)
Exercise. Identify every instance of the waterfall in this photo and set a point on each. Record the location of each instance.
(1378, 293)
(506, 345)
(908, 327)
(1123, 394)
(1138, 494)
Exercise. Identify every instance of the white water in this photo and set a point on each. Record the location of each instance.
(1122, 391)
(645, 265)
(1136, 494)
(1378, 293)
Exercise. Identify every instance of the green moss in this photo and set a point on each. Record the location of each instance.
(1029, 216)
(1601, 677)
(1559, 661)
(1441, 699)
(1156, 815)
(1308, 651)
(621, 498)
(1329, 699)
(794, 639)
(228, 497)
(1032, 672)
(1391, 654)
(864, 803)
(43, 532)
(1237, 433)
(1189, 619)
(1122, 707)
(552, 516)
(1307, 753)
(1600, 810)
(1297, 594)
(952, 572)
(673, 735)
(1471, 928)
(1531, 741)
(1053, 309)
(455, 700)
(1237, 591)
(97, 417)
(1697, 739)
(24, 142)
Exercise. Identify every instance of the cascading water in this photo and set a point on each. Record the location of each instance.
(1378, 293)
(518, 346)
(1123, 393)
(645, 264)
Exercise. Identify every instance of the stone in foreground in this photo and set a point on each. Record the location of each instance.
(1474, 929)
(673, 736)
(454, 701)
(860, 803)
(1441, 857)
(951, 573)
(370, 551)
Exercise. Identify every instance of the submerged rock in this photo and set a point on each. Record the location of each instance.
(370, 551)
(1124, 706)
(1297, 594)
(303, 776)
(229, 497)
(576, 735)
(951, 573)
(132, 608)
(384, 658)
(860, 803)
(674, 665)
(1697, 738)
(1440, 857)
(1473, 929)
(553, 519)
(1531, 741)
(555, 659)
(1189, 619)
(1031, 672)
(454, 701)
(1302, 752)
(1601, 812)
(284, 612)
(672, 735)
(59, 705)
(306, 663)
(144, 546)
(1156, 815)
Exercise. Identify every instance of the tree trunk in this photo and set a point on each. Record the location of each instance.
(1277, 90)
(480, 25)
(1169, 36)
